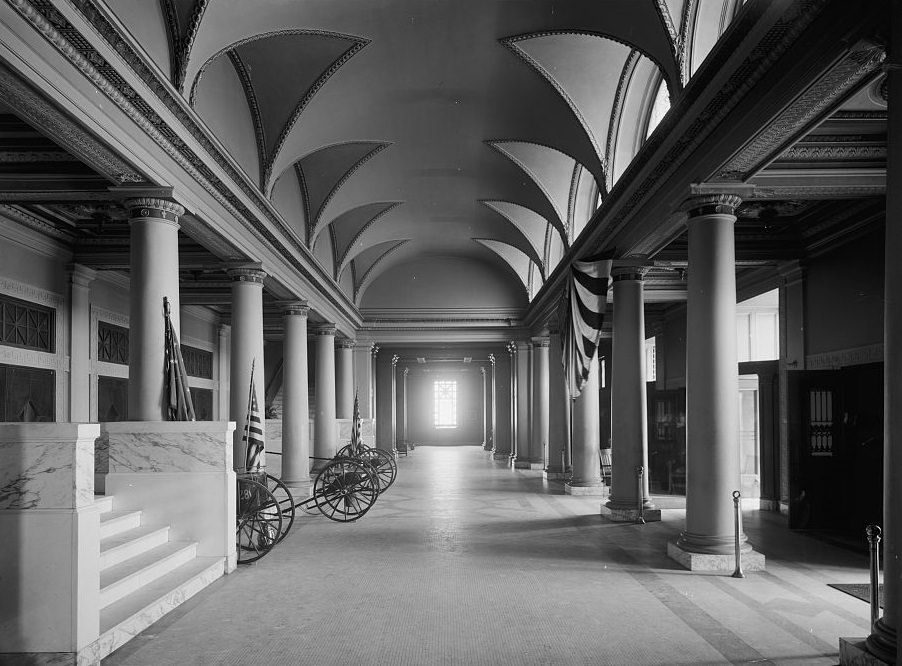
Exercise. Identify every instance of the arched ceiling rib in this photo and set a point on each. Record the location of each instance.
(478, 126)
(516, 259)
(364, 262)
(533, 226)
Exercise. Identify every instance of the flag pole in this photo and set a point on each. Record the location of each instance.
(247, 417)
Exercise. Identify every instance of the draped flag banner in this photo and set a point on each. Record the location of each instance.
(179, 406)
(356, 434)
(581, 317)
(255, 450)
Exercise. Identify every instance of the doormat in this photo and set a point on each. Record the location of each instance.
(859, 590)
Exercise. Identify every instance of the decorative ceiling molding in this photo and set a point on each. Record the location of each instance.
(536, 247)
(502, 249)
(142, 112)
(254, 106)
(842, 79)
(675, 44)
(183, 54)
(616, 110)
(346, 253)
(369, 276)
(44, 115)
(816, 153)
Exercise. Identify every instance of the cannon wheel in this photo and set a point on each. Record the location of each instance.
(285, 502)
(382, 464)
(259, 520)
(345, 490)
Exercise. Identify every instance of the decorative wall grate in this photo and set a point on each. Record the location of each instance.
(198, 363)
(820, 422)
(23, 324)
(112, 343)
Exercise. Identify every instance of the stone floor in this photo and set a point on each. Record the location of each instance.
(467, 561)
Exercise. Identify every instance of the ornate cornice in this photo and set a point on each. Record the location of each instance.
(38, 111)
(815, 153)
(805, 110)
(35, 223)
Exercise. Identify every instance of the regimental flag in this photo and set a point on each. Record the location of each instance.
(581, 317)
(356, 434)
(179, 406)
(254, 448)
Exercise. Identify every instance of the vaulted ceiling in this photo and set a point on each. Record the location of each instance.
(400, 157)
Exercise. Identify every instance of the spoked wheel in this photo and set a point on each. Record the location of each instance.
(285, 502)
(345, 490)
(382, 464)
(259, 522)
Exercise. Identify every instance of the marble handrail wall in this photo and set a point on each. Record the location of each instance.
(50, 559)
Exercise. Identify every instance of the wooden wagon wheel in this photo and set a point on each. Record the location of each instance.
(285, 502)
(259, 520)
(382, 464)
(345, 489)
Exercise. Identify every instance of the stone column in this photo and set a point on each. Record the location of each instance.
(325, 435)
(246, 351)
(493, 425)
(629, 411)
(586, 476)
(558, 411)
(521, 459)
(344, 379)
(224, 362)
(884, 639)
(712, 389)
(394, 403)
(512, 352)
(404, 435)
(363, 372)
(154, 274)
(373, 383)
(295, 398)
(80, 278)
(538, 439)
(485, 407)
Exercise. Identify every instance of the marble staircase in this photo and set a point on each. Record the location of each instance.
(144, 574)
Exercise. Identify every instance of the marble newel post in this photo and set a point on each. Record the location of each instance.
(325, 432)
(712, 390)
(154, 270)
(296, 399)
(586, 476)
(80, 278)
(538, 439)
(883, 643)
(344, 379)
(629, 421)
(558, 411)
(246, 352)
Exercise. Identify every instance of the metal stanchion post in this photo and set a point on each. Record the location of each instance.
(873, 532)
(639, 473)
(737, 509)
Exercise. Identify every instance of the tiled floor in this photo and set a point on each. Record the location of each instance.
(466, 561)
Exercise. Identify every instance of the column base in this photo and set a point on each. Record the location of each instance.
(501, 456)
(853, 652)
(528, 464)
(300, 489)
(619, 515)
(585, 491)
(556, 475)
(752, 560)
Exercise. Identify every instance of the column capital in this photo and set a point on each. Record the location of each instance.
(405, 371)
(492, 359)
(295, 308)
(541, 342)
(511, 348)
(80, 275)
(394, 360)
(715, 198)
(345, 343)
(375, 349)
(247, 273)
(324, 329)
(636, 273)
(144, 207)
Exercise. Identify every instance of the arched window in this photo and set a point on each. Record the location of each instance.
(659, 108)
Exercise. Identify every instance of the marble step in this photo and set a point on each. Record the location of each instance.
(116, 522)
(124, 578)
(104, 503)
(124, 619)
(124, 545)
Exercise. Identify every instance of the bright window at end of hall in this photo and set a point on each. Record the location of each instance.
(445, 403)
(659, 108)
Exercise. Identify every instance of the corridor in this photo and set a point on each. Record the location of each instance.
(466, 561)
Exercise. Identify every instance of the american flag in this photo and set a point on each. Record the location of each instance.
(179, 406)
(582, 316)
(255, 451)
(356, 435)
